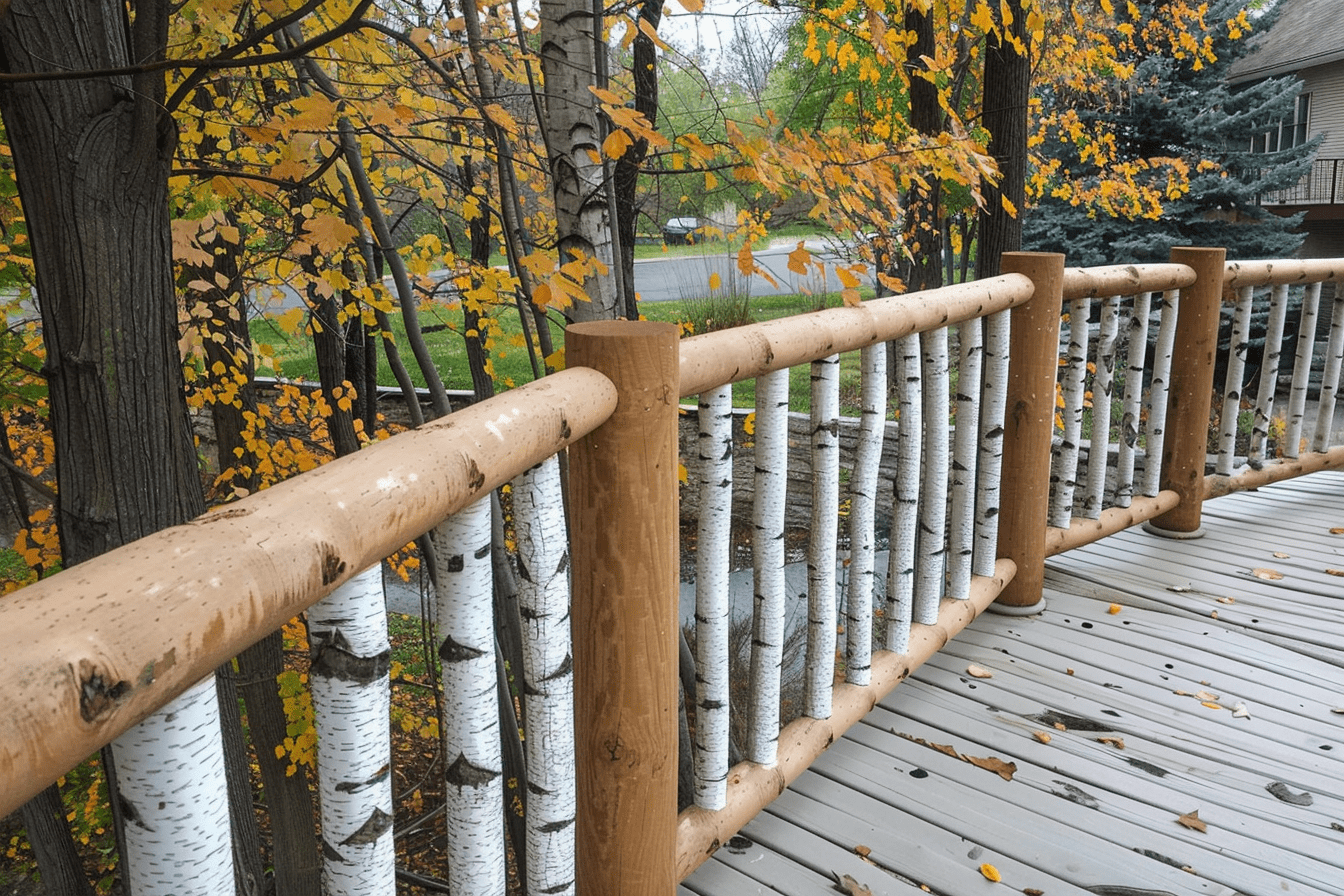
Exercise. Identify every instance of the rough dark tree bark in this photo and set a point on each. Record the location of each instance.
(644, 72)
(1007, 89)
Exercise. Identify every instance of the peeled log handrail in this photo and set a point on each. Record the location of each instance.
(1218, 486)
(1111, 520)
(752, 787)
(1284, 271)
(744, 353)
(94, 650)
(1124, 280)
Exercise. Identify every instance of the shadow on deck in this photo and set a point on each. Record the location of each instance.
(1165, 678)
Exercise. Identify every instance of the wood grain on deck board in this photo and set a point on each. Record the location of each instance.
(1080, 815)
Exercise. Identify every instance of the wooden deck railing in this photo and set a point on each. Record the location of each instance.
(991, 478)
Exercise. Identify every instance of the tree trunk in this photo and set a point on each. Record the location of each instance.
(92, 159)
(644, 71)
(1007, 90)
(923, 235)
(583, 226)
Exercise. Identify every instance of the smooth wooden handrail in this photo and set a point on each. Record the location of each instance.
(1124, 280)
(95, 649)
(1283, 271)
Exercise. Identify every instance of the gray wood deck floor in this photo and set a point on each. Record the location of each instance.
(1138, 709)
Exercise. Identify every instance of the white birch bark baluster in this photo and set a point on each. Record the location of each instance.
(1270, 361)
(170, 770)
(1306, 351)
(1064, 470)
(1334, 360)
(1156, 426)
(821, 612)
(548, 677)
(862, 510)
(712, 607)
(347, 631)
(1132, 409)
(1103, 387)
(930, 565)
(961, 526)
(767, 654)
(474, 788)
(990, 466)
(1236, 369)
(905, 510)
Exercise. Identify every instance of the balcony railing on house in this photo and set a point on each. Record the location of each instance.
(1005, 455)
(1322, 185)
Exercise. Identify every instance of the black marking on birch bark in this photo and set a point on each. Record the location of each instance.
(566, 667)
(991, 512)
(560, 888)
(378, 823)
(453, 652)
(1281, 792)
(356, 786)
(536, 789)
(461, 773)
(475, 478)
(329, 852)
(553, 827)
(563, 564)
(332, 565)
(457, 563)
(522, 570)
(333, 659)
(711, 704)
(97, 695)
(131, 813)
(482, 552)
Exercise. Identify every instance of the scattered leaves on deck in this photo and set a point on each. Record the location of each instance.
(1042, 736)
(978, 671)
(1192, 821)
(1117, 742)
(1264, 572)
(993, 764)
(846, 884)
(1240, 711)
(990, 872)
(864, 851)
(1227, 600)
(1113, 609)
(1337, 530)
(1282, 792)
(1335, 572)
(1280, 555)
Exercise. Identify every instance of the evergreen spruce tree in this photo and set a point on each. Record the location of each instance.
(1176, 107)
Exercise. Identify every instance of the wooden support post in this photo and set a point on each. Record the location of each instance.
(623, 512)
(1029, 420)
(1187, 431)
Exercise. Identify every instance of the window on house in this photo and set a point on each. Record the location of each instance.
(1289, 132)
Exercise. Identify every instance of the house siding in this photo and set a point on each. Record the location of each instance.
(1325, 83)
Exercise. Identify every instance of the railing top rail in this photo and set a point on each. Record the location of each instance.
(92, 651)
(1283, 271)
(1124, 280)
(742, 353)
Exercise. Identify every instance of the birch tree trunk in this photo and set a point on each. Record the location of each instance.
(352, 696)
(471, 741)
(961, 524)
(862, 508)
(931, 566)
(767, 632)
(821, 545)
(1270, 361)
(1157, 397)
(1064, 469)
(1132, 408)
(92, 157)
(990, 464)
(905, 524)
(1306, 349)
(582, 218)
(548, 677)
(1334, 361)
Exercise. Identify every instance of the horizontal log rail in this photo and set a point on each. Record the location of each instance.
(1111, 520)
(1124, 280)
(96, 649)
(1283, 271)
(743, 353)
(1219, 486)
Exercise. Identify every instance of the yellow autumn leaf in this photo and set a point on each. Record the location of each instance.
(715, 281)
(692, 5)
(682, 476)
(799, 258)
(617, 142)
(991, 873)
(850, 297)
(749, 424)
(710, 180)
(746, 262)
(1113, 609)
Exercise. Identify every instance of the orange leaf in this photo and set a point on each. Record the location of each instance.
(617, 142)
(1192, 821)
(799, 259)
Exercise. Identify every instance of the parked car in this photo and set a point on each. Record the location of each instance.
(680, 230)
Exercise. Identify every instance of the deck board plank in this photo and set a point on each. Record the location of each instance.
(1080, 813)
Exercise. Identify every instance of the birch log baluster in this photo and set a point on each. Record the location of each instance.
(930, 566)
(1064, 470)
(990, 465)
(471, 738)
(961, 526)
(178, 766)
(772, 446)
(1306, 350)
(862, 510)
(713, 610)
(1236, 369)
(548, 678)
(1103, 387)
(905, 510)
(1132, 410)
(1270, 362)
(1334, 360)
(352, 696)
(821, 612)
(1155, 427)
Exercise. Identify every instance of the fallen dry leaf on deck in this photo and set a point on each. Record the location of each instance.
(863, 851)
(1032, 891)
(1338, 710)
(1113, 609)
(1068, 671)
(1262, 572)
(1192, 821)
(1240, 711)
(978, 671)
(1116, 742)
(1335, 572)
(1280, 555)
(1213, 614)
(1210, 704)
(1338, 530)
(1227, 600)
(990, 872)
(1061, 726)
(846, 884)
(993, 764)
(1205, 695)
(1042, 736)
